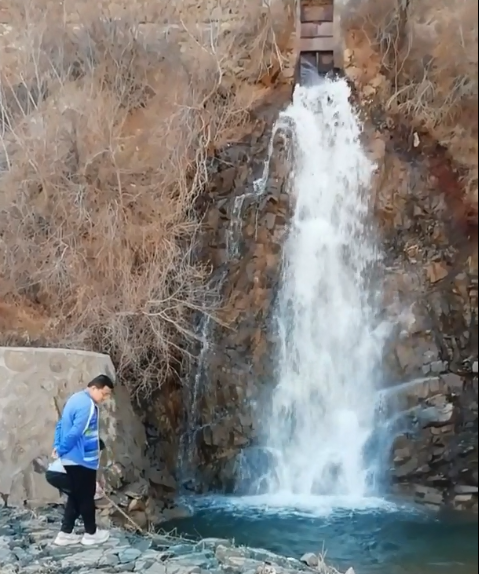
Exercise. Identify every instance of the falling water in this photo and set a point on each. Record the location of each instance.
(330, 341)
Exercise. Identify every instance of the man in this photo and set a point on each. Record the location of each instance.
(77, 445)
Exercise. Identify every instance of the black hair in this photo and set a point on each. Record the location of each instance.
(100, 382)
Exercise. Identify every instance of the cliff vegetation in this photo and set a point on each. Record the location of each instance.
(110, 118)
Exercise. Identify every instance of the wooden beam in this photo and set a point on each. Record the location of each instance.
(316, 44)
(317, 13)
(313, 30)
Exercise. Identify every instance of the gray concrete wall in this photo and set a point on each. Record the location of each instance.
(33, 383)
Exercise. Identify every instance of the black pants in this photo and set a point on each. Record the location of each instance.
(81, 499)
(59, 480)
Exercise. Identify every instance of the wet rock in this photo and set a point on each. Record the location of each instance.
(454, 383)
(175, 512)
(162, 478)
(436, 415)
(445, 448)
(310, 559)
(429, 495)
(407, 469)
(464, 489)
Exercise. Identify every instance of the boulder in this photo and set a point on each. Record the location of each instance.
(310, 559)
(429, 495)
(34, 386)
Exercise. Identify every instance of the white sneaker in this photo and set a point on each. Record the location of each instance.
(99, 537)
(64, 539)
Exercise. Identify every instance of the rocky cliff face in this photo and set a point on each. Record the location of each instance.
(246, 231)
(246, 217)
(431, 286)
(430, 293)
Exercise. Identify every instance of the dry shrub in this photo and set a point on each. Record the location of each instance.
(106, 131)
(429, 53)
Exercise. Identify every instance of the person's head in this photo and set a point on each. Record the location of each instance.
(100, 388)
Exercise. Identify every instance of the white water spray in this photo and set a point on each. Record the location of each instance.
(330, 348)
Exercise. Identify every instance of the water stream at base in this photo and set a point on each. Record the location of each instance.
(323, 408)
(373, 535)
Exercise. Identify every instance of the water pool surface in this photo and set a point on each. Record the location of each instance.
(372, 535)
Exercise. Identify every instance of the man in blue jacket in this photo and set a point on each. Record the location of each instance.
(77, 445)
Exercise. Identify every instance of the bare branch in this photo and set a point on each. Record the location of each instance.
(106, 128)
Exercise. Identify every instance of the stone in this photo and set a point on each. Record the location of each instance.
(438, 367)
(435, 415)
(176, 513)
(454, 382)
(182, 569)
(181, 549)
(224, 552)
(436, 271)
(463, 498)
(162, 478)
(310, 560)
(214, 543)
(402, 454)
(129, 555)
(465, 489)
(475, 367)
(156, 569)
(6, 556)
(429, 495)
(407, 469)
(109, 560)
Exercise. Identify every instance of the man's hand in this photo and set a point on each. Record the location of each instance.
(54, 454)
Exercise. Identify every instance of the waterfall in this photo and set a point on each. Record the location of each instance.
(330, 340)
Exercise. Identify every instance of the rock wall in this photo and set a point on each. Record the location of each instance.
(34, 386)
(435, 461)
(430, 295)
(246, 222)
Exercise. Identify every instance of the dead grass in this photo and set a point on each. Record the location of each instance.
(107, 127)
(428, 51)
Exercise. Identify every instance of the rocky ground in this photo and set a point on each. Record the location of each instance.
(26, 548)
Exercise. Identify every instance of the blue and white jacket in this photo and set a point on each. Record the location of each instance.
(77, 435)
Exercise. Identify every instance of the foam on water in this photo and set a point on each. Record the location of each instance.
(286, 504)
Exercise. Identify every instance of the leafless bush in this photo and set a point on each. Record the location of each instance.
(428, 50)
(106, 127)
